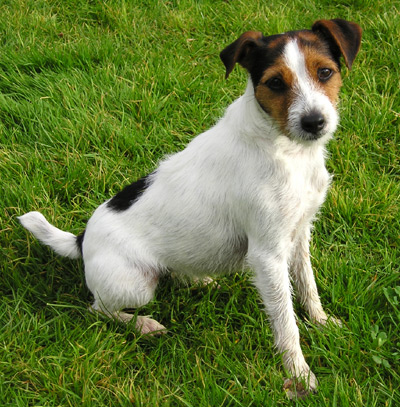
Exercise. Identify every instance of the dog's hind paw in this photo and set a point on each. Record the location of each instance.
(149, 326)
(206, 281)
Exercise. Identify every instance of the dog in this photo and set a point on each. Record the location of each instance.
(243, 193)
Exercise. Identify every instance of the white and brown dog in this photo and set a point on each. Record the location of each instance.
(244, 192)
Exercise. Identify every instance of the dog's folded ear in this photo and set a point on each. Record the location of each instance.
(344, 38)
(240, 51)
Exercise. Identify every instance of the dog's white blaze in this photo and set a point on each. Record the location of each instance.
(304, 85)
(308, 95)
(295, 61)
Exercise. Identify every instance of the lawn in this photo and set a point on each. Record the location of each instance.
(92, 95)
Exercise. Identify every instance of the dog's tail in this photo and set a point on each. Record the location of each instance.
(63, 243)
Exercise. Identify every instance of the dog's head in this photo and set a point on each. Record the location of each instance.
(296, 75)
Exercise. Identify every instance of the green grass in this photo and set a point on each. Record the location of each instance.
(92, 95)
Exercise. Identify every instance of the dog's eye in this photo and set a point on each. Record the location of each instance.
(276, 84)
(324, 74)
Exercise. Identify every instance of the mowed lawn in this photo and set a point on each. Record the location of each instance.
(92, 95)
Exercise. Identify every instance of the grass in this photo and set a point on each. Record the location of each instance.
(92, 95)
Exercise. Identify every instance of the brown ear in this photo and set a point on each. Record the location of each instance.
(239, 51)
(343, 36)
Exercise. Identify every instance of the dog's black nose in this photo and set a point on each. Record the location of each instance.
(313, 122)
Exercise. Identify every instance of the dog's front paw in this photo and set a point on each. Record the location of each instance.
(300, 387)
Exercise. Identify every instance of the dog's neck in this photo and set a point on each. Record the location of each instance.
(247, 118)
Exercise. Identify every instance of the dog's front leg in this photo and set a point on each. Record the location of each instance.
(303, 278)
(273, 283)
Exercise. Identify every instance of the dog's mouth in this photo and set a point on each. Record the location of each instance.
(311, 136)
(310, 127)
(300, 135)
(306, 136)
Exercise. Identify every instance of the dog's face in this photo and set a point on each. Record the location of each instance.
(296, 75)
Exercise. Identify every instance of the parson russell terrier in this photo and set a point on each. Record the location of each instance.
(243, 193)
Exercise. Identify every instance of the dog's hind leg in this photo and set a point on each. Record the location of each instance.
(143, 324)
(117, 285)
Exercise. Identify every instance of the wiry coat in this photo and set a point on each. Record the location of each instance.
(244, 192)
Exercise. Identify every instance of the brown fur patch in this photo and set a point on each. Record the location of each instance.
(276, 104)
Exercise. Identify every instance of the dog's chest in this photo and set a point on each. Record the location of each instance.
(302, 184)
(293, 188)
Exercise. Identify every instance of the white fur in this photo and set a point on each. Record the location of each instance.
(63, 243)
(239, 194)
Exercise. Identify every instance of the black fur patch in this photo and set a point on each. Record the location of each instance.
(129, 195)
(79, 241)
(265, 56)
